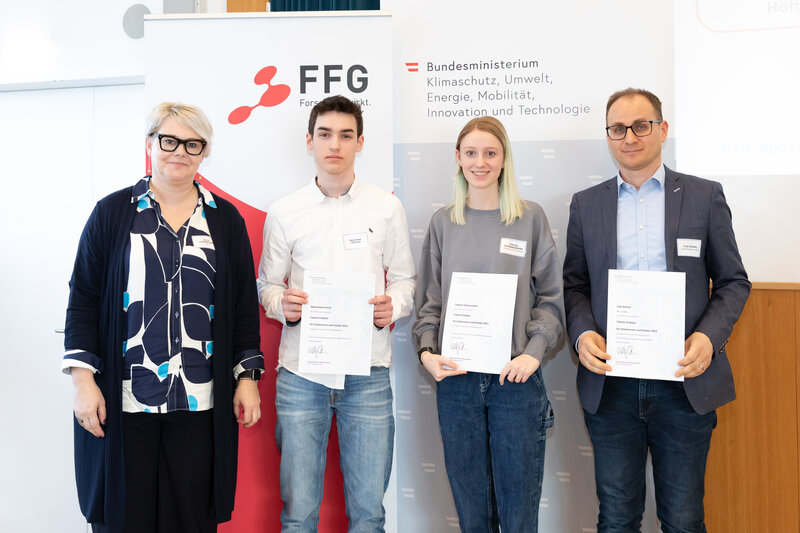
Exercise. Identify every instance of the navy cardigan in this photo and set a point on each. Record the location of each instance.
(95, 322)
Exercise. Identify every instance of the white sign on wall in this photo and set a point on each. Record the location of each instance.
(257, 78)
(546, 70)
(736, 81)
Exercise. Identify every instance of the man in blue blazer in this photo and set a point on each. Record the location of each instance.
(649, 217)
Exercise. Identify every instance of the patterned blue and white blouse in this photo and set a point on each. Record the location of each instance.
(169, 309)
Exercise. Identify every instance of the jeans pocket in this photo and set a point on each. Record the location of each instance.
(546, 413)
(550, 417)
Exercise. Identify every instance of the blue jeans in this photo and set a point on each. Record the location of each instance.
(365, 424)
(494, 440)
(636, 415)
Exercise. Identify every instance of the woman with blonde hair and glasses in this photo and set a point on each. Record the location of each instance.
(493, 427)
(162, 343)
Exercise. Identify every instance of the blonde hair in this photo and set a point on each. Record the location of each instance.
(511, 203)
(186, 115)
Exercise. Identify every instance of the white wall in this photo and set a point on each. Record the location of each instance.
(61, 151)
(736, 81)
(75, 40)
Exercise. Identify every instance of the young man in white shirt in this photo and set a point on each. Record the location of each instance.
(307, 230)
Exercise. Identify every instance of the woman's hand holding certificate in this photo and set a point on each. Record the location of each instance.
(439, 366)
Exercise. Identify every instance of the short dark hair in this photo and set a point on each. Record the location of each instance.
(627, 93)
(337, 104)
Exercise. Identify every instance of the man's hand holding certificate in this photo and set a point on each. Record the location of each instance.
(336, 331)
(646, 323)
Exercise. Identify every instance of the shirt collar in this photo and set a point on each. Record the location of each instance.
(659, 177)
(142, 189)
(319, 197)
(206, 195)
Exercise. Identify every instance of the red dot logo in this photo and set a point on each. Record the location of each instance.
(274, 95)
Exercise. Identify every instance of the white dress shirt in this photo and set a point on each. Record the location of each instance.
(307, 230)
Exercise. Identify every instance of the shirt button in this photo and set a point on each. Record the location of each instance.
(642, 256)
(641, 227)
(641, 200)
(176, 314)
(177, 339)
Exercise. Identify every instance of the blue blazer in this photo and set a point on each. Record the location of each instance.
(694, 209)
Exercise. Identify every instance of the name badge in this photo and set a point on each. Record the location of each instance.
(202, 241)
(354, 241)
(689, 247)
(513, 247)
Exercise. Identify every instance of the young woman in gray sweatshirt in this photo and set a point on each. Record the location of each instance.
(493, 427)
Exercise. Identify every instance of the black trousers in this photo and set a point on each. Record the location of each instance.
(169, 465)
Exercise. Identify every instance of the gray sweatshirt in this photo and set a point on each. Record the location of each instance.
(486, 245)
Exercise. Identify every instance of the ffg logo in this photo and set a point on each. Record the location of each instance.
(355, 78)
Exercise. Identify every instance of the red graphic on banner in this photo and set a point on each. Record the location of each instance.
(274, 95)
(412, 67)
(258, 497)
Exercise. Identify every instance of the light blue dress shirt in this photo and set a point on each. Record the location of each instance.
(640, 224)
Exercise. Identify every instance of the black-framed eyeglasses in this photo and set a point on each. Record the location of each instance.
(640, 128)
(168, 143)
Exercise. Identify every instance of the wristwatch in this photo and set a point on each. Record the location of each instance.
(422, 351)
(253, 373)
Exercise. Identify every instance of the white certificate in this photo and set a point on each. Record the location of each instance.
(646, 323)
(477, 326)
(336, 328)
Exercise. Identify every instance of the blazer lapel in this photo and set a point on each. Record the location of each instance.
(609, 208)
(673, 193)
